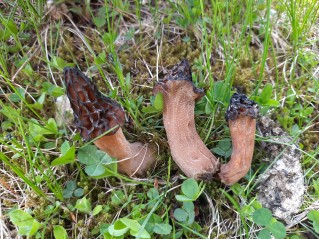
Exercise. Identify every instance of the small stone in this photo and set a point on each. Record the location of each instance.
(281, 187)
(64, 112)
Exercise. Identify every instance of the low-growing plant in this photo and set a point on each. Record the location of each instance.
(224, 148)
(28, 226)
(263, 217)
(264, 99)
(72, 190)
(67, 155)
(59, 232)
(294, 115)
(313, 215)
(97, 163)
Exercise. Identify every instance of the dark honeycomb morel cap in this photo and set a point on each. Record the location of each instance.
(94, 114)
(241, 105)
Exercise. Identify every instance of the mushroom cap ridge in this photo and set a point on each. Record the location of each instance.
(180, 72)
(94, 113)
(241, 105)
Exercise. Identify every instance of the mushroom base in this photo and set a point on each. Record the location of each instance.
(134, 159)
(242, 130)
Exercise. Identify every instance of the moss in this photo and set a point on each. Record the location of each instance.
(310, 141)
(243, 80)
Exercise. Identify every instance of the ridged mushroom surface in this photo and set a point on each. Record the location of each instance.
(95, 114)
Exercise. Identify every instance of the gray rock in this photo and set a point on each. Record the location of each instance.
(281, 186)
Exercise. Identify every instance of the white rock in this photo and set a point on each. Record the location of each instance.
(63, 112)
(281, 186)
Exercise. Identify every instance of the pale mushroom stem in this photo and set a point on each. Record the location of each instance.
(95, 114)
(187, 148)
(134, 159)
(241, 116)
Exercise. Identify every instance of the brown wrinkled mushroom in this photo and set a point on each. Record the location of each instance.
(187, 148)
(241, 116)
(95, 114)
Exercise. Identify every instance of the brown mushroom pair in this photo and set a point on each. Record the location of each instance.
(96, 114)
(188, 150)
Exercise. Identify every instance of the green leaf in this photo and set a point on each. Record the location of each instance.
(19, 217)
(140, 234)
(208, 108)
(150, 110)
(162, 229)
(183, 198)
(16, 97)
(59, 63)
(30, 229)
(78, 192)
(5, 125)
(118, 229)
(97, 210)
(71, 185)
(151, 222)
(264, 234)
(67, 193)
(313, 215)
(180, 215)
(316, 226)
(37, 131)
(224, 148)
(25, 222)
(159, 102)
(306, 112)
(65, 147)
(41, 99)
(262, 216)
(273, 103)
(135, 228)
(191, 217)
(94, 169)
(59, 232)
(266, 93)
(83, 205)
(152, 193)
(132, 224)
(95, 160)
(190, 188)
(100, 20)
(52, 90)
(118, 197)
(220, 92)
(68, 157)
(11, 26)
(277, 229)
(189, 206)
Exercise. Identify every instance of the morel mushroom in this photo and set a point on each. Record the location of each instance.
(187, 148)
(95, 114)
(241, 116)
